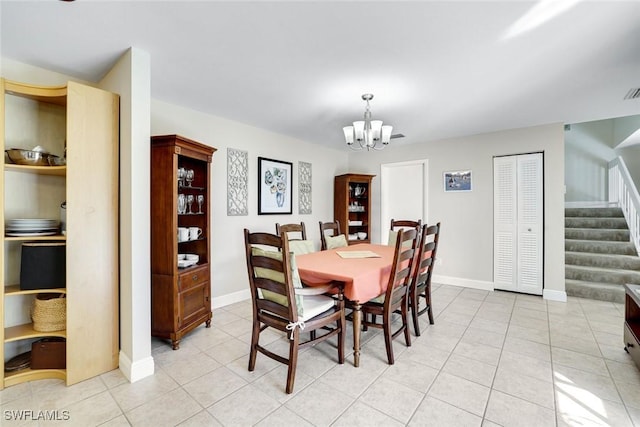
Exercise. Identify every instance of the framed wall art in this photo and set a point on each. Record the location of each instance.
(304, 188)
(237, 182)
(457, 181)
(275, 182)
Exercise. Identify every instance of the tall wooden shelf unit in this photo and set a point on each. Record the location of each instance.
(352, 205)
(85, 121)
(180, 297)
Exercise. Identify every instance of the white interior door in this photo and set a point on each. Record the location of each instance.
(403, 193)
(518, 223)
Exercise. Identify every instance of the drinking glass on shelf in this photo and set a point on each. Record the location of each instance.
(189, 177)
(189, 202)
(200, 200)
(182, 173)
(182, 204)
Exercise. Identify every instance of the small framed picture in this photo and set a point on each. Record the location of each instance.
(274, 186)
(457, 181)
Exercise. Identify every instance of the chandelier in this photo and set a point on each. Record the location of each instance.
(369, 134)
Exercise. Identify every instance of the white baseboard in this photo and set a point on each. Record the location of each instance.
(465, 283)
(137, 370)
(552, 295)
(232, 298)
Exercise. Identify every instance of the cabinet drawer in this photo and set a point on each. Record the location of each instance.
(193, 277)
(632, 345)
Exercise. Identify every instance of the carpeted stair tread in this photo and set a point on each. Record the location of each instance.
(615, 235)
(593, 290)
(600, 257)
(614, 261)
(595, 222)
(591, 212)
(600, 247)
(603, 275)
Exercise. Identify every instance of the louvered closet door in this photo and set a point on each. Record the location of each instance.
(505, 218)
(518, 223)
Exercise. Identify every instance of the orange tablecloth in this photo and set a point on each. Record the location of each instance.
(364, 278)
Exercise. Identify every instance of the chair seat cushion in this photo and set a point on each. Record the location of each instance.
(338, 241)
(315, 304)
(301, 247)
(379, 299)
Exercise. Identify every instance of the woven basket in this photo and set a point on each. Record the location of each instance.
(49, 312)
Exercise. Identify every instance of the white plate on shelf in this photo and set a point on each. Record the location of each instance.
(34, 234)
(184, 263)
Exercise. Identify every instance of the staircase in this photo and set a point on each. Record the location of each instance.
(599, 256)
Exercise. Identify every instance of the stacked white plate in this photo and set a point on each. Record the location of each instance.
(27, 227)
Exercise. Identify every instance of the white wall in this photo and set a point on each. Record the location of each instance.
(467, 218)
(588, 151)
(590, 146)
(131, 78)
(229, 281)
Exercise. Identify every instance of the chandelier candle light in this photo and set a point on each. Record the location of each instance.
(367, 133)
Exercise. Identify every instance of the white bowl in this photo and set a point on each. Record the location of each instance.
(362, 235)
(192, 257)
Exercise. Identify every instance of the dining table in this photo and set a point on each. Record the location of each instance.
(363, 270)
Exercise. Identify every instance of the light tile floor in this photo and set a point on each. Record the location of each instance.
(491, 359)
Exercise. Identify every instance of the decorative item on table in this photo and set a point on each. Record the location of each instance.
(49, 312)
(31, 227)
(43, 265)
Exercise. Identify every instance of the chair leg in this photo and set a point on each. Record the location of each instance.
(414, 312)
(388, 339)
(293, 360)
(427, 293)
(341, 324)
(255, 336)
(405, 324)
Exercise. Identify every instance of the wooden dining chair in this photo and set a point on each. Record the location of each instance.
(281, 302)
(423, 271)
(402, 224)
(396, 297)
(333, 240)
(405, 223)
(292, 228)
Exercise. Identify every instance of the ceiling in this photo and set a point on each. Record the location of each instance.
(438, 69)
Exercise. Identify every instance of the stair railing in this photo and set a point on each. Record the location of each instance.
(623, 192)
